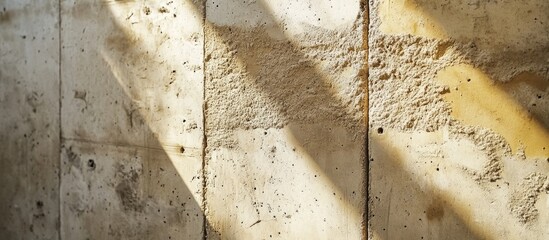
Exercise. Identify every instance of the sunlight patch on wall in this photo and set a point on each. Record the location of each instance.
(478, 100)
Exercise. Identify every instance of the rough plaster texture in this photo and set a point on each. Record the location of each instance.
(284, 120)
(459, 140)
(29, 110)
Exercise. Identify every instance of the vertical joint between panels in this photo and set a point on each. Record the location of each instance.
(60, 82)
(204, 135)
(365, 10)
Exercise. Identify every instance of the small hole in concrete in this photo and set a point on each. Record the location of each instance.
(91, 164)
(380, 130)
(39, 204)
(181, 149)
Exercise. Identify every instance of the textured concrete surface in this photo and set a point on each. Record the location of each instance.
(459, 140)
(247, 119)
(29, 110)
(129, 96)
(132, 90)
(284, 120)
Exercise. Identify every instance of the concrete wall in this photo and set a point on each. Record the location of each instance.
(131, 120)
(29, 110)
(261, 119)
(459, 119)
(284, 119)
(183, 120)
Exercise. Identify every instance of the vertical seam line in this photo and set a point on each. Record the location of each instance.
(204, 135)
(59, 175)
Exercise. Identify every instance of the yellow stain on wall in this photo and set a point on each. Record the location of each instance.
(491, 24)
(479, 101)
(407, 17)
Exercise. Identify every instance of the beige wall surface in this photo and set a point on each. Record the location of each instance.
(131, 120)
(459, 119)
(183, 120)
(262, 119)
(284, 119)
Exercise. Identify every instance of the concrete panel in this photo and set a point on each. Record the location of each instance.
(132, 97)
(279, 183)
(29, 110)
(428, 185)
(129, 192)
(459, 118)
(284, 119)
(129, 67)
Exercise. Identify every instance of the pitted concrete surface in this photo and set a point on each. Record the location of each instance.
(261, 119)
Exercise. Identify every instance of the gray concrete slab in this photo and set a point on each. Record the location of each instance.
(29, 110)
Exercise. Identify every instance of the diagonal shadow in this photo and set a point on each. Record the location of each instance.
(123, 176)
(506, 41)
(422, 211)
(520, 76)
(123, 45)
(268, 62)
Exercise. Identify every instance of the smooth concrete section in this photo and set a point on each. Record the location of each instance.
(29, 110)
(278, 184)
(428, 189)
(284, 120)
(463, 152)
(132, 90)
(127, 192)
